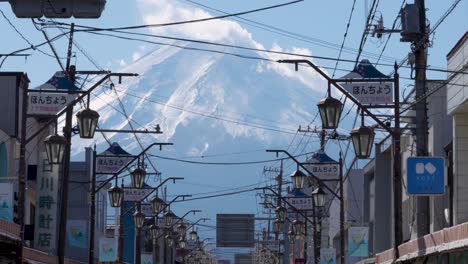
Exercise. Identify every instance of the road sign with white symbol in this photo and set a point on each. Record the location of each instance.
(426, 175)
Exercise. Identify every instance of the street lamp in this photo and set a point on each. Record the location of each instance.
(363, 139)
(156, 204)
(168, 218)
(182, 243)
(154, 230)
(87, 122)
(298, 227)
(291, 235)
(138, 177)
(281, 213)
(139, 219)
(115, 196)
(298, 179)
(169, 240)
(330, 112)
(193, 235)
(55, 148)
(277, 224)
(181, 229)
(319, 197)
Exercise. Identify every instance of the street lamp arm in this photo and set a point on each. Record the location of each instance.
(79, 98)
(196, 222)
(180, 219)
(316, 179)
(175, 199)
(130, 162)
(342, 90)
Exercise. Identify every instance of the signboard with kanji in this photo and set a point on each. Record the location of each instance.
(112, 160)
(136, 194)
(322, 166)
(46, 205)
(111, 164)
(48, 104)
(371, 92)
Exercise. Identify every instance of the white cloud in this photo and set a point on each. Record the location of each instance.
(222, 31)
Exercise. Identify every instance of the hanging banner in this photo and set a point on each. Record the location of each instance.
(46, 205)
(107, 249)
(112, 160)
(146, 258)
(6, 201)
(77, 233)
(327, 256)
(358, 241)
(48, 104)
(136, 194)
(323, 167)
(371, 92)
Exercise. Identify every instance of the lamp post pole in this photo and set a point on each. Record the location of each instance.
(121, 228)
(138, 239)
(65, 174)
(395, 132)
(342, 216)
(92, 218)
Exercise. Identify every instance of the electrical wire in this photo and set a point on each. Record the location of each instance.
(192, 21)
(344, 37)
(286, 33)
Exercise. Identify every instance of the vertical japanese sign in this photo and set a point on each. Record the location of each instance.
(107, 249)
(77, 233)
(146, 259)
(47, 194)
(6, 201)
(327, 256)
(358, 241)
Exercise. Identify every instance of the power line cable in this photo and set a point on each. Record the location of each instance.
(194, 20)
(287, 33)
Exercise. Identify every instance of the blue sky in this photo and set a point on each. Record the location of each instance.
(324, 20)
(320, 21)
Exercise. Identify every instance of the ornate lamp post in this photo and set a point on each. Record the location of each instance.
(87, 122)
(319, 197)
(55, 148)
(298, 179)
(138, 177)
(193, 235)
(156, 204)
(363, 139)
(168, 218)
(281, 213)
(115, 196)
(330, 111)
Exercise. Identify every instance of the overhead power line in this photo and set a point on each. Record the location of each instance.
(438, 69)
(193, 20)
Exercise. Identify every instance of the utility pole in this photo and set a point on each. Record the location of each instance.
(71, 71)
(420, 45)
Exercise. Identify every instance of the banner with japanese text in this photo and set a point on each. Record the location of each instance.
(46, 205)
(358, 241)
(6, 201)
(77, 233)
